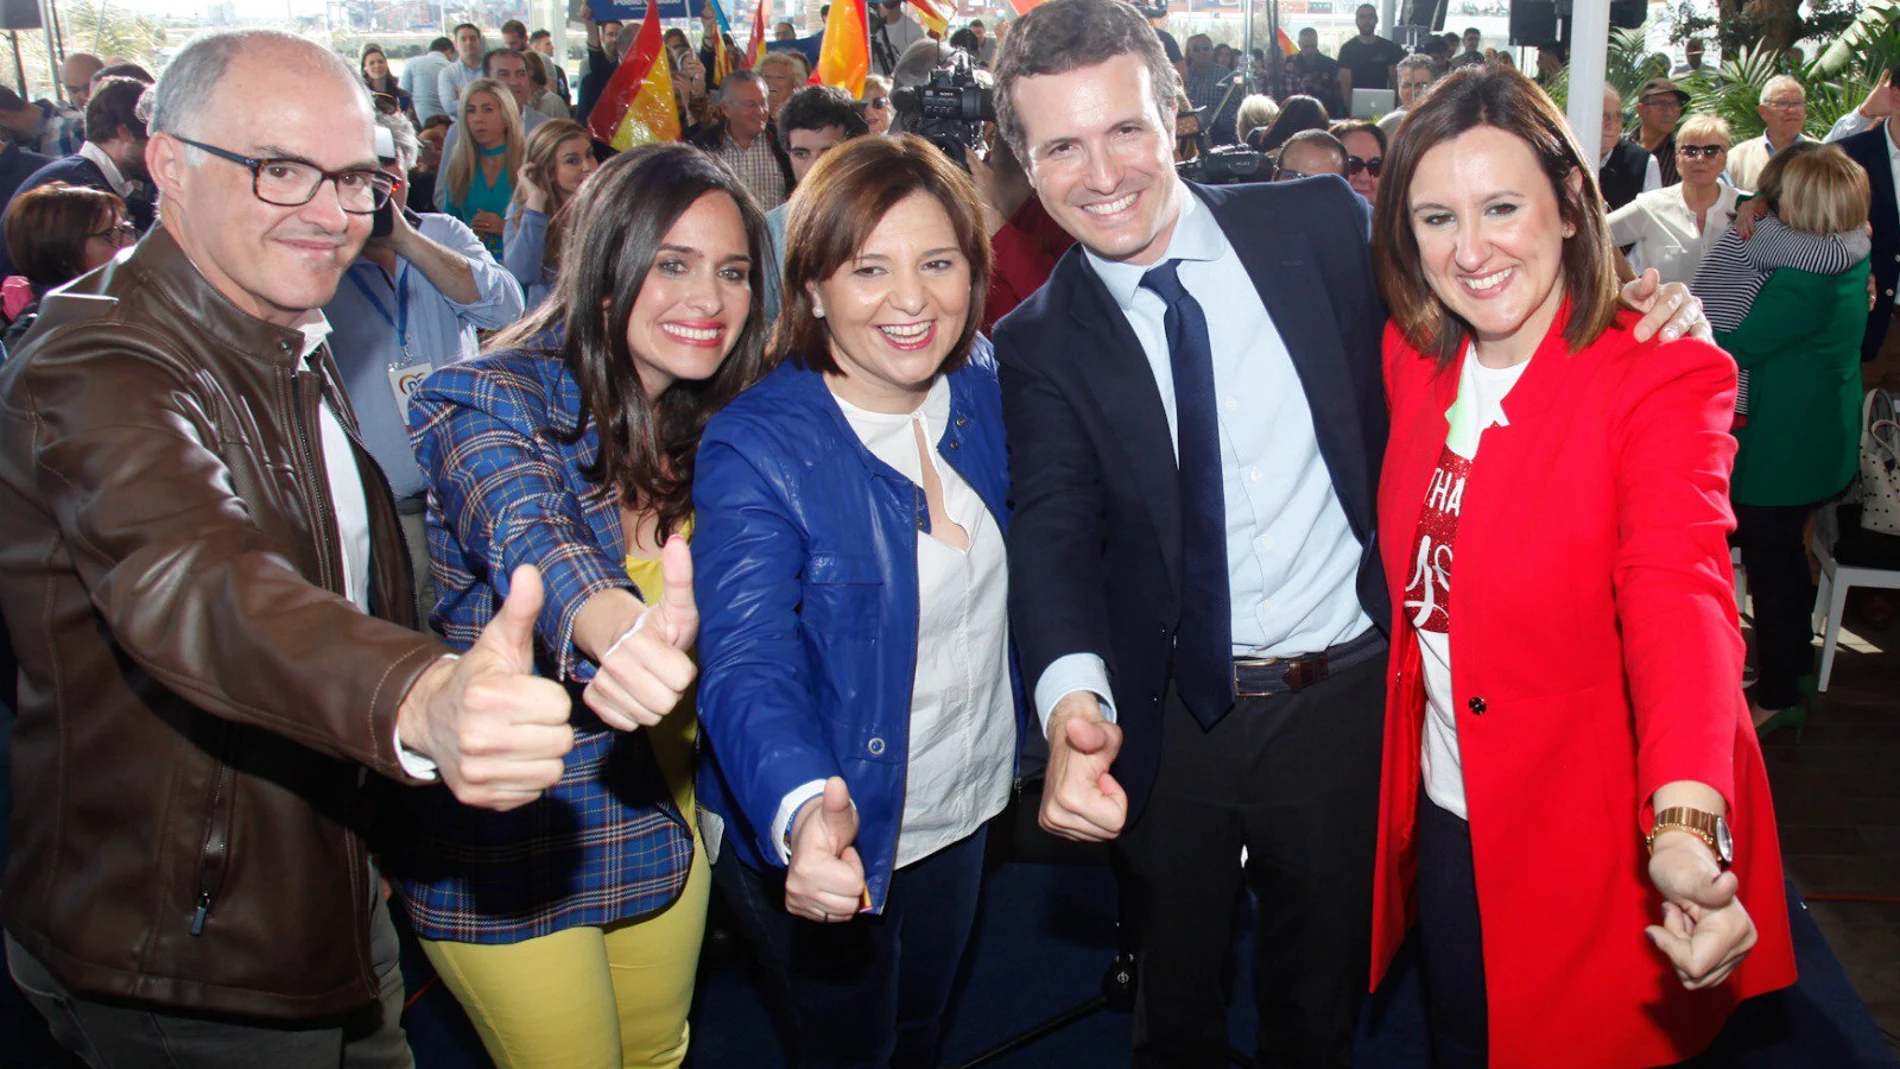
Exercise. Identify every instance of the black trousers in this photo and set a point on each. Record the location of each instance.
(1451, 947)
(872, 992)
(1294, 778)
(1776, 560)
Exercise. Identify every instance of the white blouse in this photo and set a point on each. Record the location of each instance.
(962, 713)
(1662, 226)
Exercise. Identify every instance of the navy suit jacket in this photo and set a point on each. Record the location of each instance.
(77, 170)
(1869, 149)
(16, 166)
(1096, 546)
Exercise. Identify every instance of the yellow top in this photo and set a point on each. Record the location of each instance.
(675, 738)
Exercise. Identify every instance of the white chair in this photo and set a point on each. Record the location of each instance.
(1836, 580)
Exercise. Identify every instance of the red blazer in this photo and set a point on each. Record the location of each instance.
(1595, 657)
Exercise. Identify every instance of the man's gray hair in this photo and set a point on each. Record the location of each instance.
(1780, 82)
(1063, 35)
(737, 77)
(1418, 61)
(404, 135)
(189, 84)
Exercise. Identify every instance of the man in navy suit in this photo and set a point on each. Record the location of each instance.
(16, 166)
(1875, 147)
(1196, 423)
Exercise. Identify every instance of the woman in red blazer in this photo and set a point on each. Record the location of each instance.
(1570, 692)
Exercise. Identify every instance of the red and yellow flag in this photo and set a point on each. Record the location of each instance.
(935, 16)
(722, 58)
(755, 48)
(637, 107)
(845, 58)
(1287, 47)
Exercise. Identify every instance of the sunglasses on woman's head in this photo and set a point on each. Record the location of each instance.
(1372, 166)
(1691, 152)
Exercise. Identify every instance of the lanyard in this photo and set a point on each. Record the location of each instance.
(399, 321)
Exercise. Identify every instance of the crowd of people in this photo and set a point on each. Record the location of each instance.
(412, 504)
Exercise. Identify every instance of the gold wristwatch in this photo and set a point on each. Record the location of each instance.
(1706, 826)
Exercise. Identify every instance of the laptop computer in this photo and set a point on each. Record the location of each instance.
(1372, 103)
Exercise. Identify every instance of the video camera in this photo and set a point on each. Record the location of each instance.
(1226, 166)
(949, 110)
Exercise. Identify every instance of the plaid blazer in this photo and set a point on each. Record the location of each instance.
(607, 843)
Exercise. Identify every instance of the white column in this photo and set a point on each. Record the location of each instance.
(1589, 50)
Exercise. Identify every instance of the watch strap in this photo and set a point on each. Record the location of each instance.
(1696, 822)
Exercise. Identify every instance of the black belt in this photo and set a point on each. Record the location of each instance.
(1259, 677)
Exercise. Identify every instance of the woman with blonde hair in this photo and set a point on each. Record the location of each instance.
(1670, 229)
(1257, 112)
(478, 178)
(1795, 332)
(559, 158)
(876, 101)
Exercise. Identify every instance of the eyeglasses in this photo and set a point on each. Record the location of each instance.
(1787, 105)
(878, 103)
(1288, 174)
(1692, 152)
(1372, 166)
(290, 183)
(120, 234)
(1661, 103)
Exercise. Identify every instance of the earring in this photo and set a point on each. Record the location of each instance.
(817, 311)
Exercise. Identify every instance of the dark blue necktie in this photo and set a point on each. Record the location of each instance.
(1203, 644)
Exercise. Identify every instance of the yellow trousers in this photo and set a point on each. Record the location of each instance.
(586, 998)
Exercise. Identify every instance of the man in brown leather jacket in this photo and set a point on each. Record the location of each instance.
(205, 581)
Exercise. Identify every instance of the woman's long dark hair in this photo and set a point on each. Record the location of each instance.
(621, 217)
(1296, 113)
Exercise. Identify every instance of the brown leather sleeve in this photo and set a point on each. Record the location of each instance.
(129, 462)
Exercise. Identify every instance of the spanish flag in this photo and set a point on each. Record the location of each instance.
(845, 58)
(722, 59)
(755, 48)
(935, 17)
(637, 107)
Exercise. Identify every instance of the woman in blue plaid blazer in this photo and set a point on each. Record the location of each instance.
(569, 928)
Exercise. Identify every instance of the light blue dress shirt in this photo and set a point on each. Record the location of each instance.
(420, 79)
(449, 84)
(524, 248)
(774, 274)
(363, 337)
(1292, 559)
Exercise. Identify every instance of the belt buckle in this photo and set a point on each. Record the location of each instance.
(1241, 691)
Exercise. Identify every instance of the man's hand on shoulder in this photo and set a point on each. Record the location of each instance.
(1668, 308)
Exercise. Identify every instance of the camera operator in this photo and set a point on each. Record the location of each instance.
(953, 108)
(412, 300)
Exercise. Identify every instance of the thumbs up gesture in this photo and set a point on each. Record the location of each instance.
(825, 880)
(1080, 798)
(644, 673)
(496, 731)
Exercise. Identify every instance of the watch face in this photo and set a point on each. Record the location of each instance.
(1724, 843)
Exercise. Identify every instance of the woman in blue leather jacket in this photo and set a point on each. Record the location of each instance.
(858, 704)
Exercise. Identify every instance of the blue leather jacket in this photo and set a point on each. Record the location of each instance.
(805, 569)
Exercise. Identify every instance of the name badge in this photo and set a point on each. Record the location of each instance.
(403, 383)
